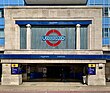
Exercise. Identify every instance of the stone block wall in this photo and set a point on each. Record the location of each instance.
(12, 36)
(99, 78)
(8, 78)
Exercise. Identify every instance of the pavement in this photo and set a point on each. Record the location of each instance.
(54, 87)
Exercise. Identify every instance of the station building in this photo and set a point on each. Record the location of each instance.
(105, 30)
(53, 42)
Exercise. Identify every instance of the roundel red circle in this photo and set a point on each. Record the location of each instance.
(53, 44)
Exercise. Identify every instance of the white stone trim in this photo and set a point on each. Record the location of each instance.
(28, 36)
(78, 37)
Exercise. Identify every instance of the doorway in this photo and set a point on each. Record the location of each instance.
(53, 72)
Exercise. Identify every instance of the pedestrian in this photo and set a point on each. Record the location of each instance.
(62, 75)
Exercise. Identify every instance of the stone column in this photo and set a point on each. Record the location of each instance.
(78, 36)
(28, 36)
(17, 35)
(90, 37)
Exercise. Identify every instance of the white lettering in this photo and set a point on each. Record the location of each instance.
(53, 38)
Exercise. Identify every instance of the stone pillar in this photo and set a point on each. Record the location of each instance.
(28, 36)
(99, 78)
(78, 37)
(6, 74)
(8, 78)
(17, 35)
(90, 37)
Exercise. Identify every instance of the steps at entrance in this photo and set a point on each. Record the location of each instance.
(52, 84)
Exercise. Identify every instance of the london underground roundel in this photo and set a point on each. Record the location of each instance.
(53, 38)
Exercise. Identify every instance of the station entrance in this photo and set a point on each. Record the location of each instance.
(53, 72)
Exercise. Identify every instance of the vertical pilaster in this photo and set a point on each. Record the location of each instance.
(99, 78)
(89, 37)
(28, 36)
(17, 35)
(6, 74)
(78, 36)
(8, 78)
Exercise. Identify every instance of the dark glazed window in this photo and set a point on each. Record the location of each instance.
(2, 38)
(23, 37)
(1, 13)
(37, 32)
(83, 38)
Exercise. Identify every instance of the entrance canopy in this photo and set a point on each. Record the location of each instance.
(55, 56)
(78, 2)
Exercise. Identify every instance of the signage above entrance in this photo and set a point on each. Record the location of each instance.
(14, 65)
(34, 22)
(91, 65)
(54, 56)
(57, 38)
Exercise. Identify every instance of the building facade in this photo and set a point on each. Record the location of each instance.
(52, 43)
(105, 29)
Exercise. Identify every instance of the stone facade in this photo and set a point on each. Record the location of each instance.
(12, 38)
(7, 78)
(52, 13)
(99, 78)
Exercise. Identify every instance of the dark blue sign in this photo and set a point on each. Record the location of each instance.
(55, 56)
(34, 22)
(92, 70)
(14, 70)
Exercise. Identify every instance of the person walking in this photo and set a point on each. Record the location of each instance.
(62, 75)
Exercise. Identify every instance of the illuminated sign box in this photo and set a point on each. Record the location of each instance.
(15, 69)
(92, 69)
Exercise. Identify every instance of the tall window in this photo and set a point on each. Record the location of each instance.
(38, 32)
(83, 38)
(1, 13)
(2, 38)
(106, 12)
(105, 33)
(109, 12)
(106, 36)
(23, 37)
(54, 37)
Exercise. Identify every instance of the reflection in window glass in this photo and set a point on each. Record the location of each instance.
(2, 38)
(23, 37)
(83, 38)
(106, 36)
(106, 12)
(1, 13)
(109, 12)
(67, 36)
(37, 32)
